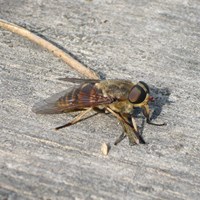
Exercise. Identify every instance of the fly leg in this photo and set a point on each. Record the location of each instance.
(146, 113)
(136, 130)
(130, 132)
(133, 129)
(120, 138)
(133, 135)
(76, 119)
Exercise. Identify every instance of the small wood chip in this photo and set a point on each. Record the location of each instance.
(105, 148)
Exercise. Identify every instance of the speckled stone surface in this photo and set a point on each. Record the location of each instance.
(154, 41)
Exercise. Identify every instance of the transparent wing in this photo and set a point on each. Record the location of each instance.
(76, 98)
(49, 105)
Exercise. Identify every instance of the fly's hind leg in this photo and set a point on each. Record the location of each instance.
(75, 120)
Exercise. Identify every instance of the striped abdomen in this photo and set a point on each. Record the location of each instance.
(86, 95)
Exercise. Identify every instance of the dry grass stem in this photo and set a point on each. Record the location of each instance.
(49, 46)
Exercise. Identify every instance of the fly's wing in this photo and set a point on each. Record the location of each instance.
(49, 105)
(77, 98)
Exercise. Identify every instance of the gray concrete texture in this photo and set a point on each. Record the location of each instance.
(154, 41)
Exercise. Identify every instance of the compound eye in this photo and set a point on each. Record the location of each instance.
(134, 95)
(137, 94)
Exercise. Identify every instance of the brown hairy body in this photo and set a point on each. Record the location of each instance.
(119, 97)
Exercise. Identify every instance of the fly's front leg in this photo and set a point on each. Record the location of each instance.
(133, 129)
(134, 124)
(146, 113)
(133, 136)
(136, 130)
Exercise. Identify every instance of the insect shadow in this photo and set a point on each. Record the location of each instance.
(161, 98)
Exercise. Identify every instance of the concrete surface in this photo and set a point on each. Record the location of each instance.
(154, 41)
